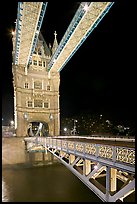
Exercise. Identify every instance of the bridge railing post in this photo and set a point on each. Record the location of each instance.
(114, 153)
(107, 183)
(97, 150)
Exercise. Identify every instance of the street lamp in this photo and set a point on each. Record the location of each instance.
(12, 123)
(65, 130)
(52, 120)
(26, 116)
(74, 128)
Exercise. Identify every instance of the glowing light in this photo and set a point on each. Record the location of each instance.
(85, 7)
(13, 32)
(96, 167)
(40, 126)
(65, 129)
(12, 122)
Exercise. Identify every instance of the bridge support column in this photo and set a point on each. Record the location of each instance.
(62, 154)
(113, 179)
(107, 183)
(110, 181)
(87, 167)
(71, 158)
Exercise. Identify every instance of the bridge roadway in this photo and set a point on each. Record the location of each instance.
(92, 159)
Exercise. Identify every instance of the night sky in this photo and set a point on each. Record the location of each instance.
(99, 78)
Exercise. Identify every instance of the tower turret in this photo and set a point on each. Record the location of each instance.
(55, 43)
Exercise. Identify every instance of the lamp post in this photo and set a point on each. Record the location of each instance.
(12, 123)
(52, 119)
(65, 130)
(74, 128)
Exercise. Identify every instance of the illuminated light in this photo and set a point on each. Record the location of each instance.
(37, 32)
(13, 32)
(65, 129)
(11, 122)
(51, 116)
(40, 126)
(85, 7)
(96, 167)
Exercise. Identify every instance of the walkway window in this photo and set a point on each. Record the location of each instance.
(29, 103)
(38, 103)
(37, 85)
(26, 85)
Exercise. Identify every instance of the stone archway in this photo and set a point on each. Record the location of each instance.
(38, 128)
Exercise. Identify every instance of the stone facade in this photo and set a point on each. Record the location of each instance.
(36, 91)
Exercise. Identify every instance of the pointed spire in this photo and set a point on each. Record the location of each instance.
(55, 43)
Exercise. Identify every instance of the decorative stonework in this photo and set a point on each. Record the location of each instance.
(32, 96)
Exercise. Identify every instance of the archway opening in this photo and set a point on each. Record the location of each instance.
(38, 128)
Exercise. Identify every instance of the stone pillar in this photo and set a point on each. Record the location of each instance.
(22, 125)
(113, 179)
(87, 167)
(111, 183)
(71, 158)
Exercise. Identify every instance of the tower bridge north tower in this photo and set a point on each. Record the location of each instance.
(36, 91)
(36, 66)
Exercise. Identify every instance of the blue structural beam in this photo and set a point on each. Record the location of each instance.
(79, 14)
(18, 31)
(21, 20)
(70, 31)
(43, 10)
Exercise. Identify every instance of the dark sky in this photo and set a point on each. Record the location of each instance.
(99, 78)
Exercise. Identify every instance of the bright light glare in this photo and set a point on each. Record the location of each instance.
(85, 7)
(65, 129)
(12, 122)
(13, 32)
(95, 167)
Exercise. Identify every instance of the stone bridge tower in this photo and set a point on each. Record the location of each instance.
(36, 91)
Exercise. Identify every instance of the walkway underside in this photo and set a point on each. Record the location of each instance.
(87, 17)
(29, 20)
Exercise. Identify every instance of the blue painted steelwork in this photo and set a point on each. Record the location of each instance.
(79, 14)
(76, 19)
(18, 30)
(44, 6)
(89, 32)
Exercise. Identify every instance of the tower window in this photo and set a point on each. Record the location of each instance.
(46, 105)
(35, 62)
(29, 103)
(38, 103)
(26, 85)
(48, 88)
(44, 64)
(39, 52)
(40, 63)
